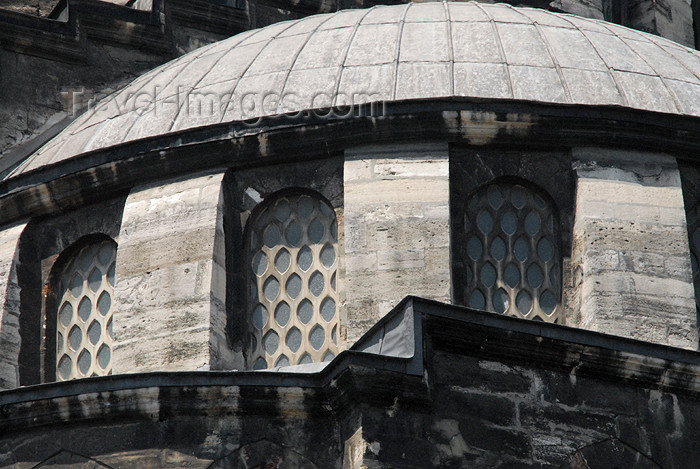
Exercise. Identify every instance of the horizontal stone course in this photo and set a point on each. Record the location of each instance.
(486, 407)
(506, 409)
(480, 375)
(639, 317)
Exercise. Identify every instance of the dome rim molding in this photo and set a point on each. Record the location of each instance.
(484, 329)
(109, 172)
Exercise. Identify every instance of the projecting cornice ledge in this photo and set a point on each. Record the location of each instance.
(323, 133)
(391, 358)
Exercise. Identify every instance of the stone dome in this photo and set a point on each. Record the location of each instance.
(400, 52)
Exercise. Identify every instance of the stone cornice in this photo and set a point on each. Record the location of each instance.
(363, 375)
(322, 133)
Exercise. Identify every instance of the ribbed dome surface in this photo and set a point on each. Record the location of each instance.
(418, 50)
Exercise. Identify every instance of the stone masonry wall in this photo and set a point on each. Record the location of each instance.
(32, 102)
(587, 8)
(490, 414)
(672, 19)
(171, 289)
(195, 427)
(467, 408)
(396, 229)
(9, 306)
(631, 248)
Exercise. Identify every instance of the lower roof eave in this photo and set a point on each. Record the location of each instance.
(362, 374)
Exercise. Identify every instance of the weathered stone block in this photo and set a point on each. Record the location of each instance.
(393, 168)
(400, 259)
(471, 373)
(631, 245)
(394, 190)
(484, 406)
(505, 441)
(9, 305)
(169, 290)
(396, 218)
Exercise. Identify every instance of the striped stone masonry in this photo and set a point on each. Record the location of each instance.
(396, 229)
(171, 279)
(630, 247)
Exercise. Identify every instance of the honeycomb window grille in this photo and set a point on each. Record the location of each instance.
(84, 321)
(292, 264)
(511, 256)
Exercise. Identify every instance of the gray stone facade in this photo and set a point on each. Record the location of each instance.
(503, 160)
(171, 289)
(396, 229)
(631, 244)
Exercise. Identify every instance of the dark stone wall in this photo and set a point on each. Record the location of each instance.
(38, 92)
(196, 427)
(32, 7)
(490, 414)
(493, 393)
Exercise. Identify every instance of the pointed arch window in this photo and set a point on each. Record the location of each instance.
(292, 246)
(84, 315)
(511, 260)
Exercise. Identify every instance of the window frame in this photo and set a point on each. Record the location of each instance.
(41, 244)
(483, 228)
(54, 300)
(244, 190)
(550, 170)
(250, 298)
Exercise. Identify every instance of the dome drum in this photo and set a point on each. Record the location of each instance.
(259, 268)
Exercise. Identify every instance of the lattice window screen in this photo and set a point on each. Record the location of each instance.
(84, 320)
(293, 313)
(512, 256)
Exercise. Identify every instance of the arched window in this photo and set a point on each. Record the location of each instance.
(511, 258)
(292, 304)
(84, 315)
